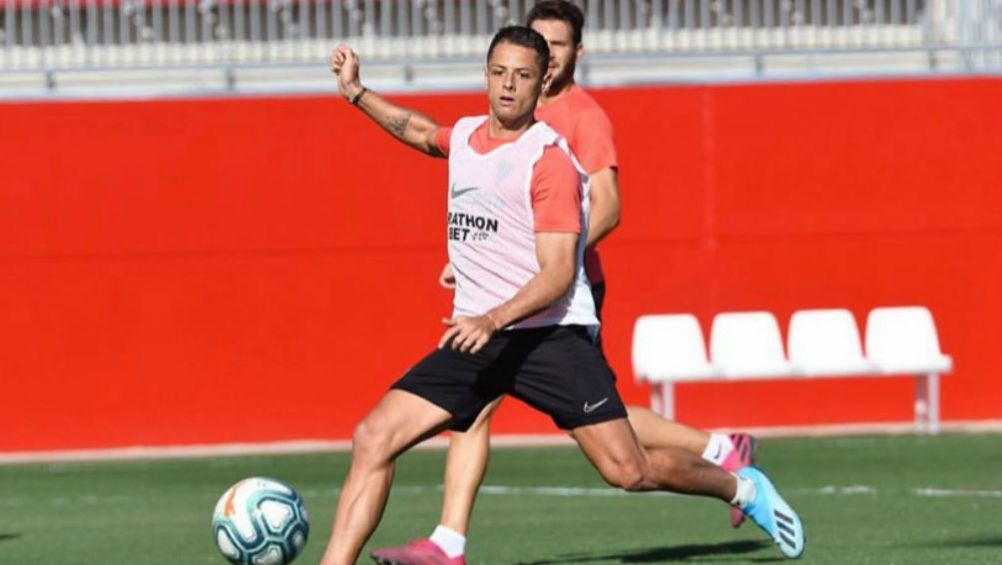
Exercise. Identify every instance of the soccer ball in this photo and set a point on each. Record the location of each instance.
(260, 521)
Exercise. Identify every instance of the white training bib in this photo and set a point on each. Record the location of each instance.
(492, 243)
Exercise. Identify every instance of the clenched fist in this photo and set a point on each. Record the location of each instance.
(344, 64)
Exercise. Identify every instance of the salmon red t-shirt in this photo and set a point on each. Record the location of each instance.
(588, 131)
(555, 187)
(584, 124)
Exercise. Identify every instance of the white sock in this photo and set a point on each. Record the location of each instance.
(452, 542)
(745, 493)
(718, 448)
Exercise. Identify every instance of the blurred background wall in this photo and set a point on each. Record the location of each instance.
(253, 268)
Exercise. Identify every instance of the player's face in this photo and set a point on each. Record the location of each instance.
(564, 53)
(514, 82)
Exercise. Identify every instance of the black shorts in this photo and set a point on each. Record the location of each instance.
(557, 370)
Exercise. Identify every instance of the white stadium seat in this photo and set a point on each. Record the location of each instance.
(668, 348)
(748, 344)
(903, 340)
(826, 343)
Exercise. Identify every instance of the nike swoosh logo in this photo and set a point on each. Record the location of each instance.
(589, 408)
(457, 192)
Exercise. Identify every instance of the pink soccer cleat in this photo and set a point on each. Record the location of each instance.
(741, 456)
(417, 552)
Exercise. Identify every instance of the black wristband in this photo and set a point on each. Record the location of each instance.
(355, 99)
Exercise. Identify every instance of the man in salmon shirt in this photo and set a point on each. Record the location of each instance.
(524, 321)
(573, 113)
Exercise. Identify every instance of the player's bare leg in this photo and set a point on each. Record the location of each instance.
(466, 463)
(615, 452)
(400, 420)
(730, 452)
(653, 430)
(465, 467)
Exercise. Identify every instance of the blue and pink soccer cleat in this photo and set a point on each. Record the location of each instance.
(771, 513)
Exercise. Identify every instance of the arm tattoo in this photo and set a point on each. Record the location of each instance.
(398, 124)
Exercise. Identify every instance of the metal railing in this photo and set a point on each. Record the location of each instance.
(101, 34)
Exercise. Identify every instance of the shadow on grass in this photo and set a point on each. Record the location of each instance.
(662, 554)
(989, 540)
(8, 537)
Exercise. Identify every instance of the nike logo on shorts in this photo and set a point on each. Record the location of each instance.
(589, 408)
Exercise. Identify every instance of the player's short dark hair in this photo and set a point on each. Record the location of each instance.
(558, 10)
(526, 37)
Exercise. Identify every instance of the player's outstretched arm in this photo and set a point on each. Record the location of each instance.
(413, 128)
(555, 252)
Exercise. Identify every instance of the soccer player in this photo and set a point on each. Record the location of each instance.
(524, 318)
(575, 115)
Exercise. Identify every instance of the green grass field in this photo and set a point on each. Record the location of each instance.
(887, 500)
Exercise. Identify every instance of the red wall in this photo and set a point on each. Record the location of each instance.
(217, 270)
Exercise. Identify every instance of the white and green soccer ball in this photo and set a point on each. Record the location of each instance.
(260, 521)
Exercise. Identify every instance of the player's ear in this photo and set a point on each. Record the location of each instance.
(486, 82)
(579, 51)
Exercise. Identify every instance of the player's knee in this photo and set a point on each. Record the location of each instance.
(627, 476)
(369, 441)
(634, 479)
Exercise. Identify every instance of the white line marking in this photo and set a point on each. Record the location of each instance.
(938, 492)
(553, 491)
(828, 490)
(849, 490)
